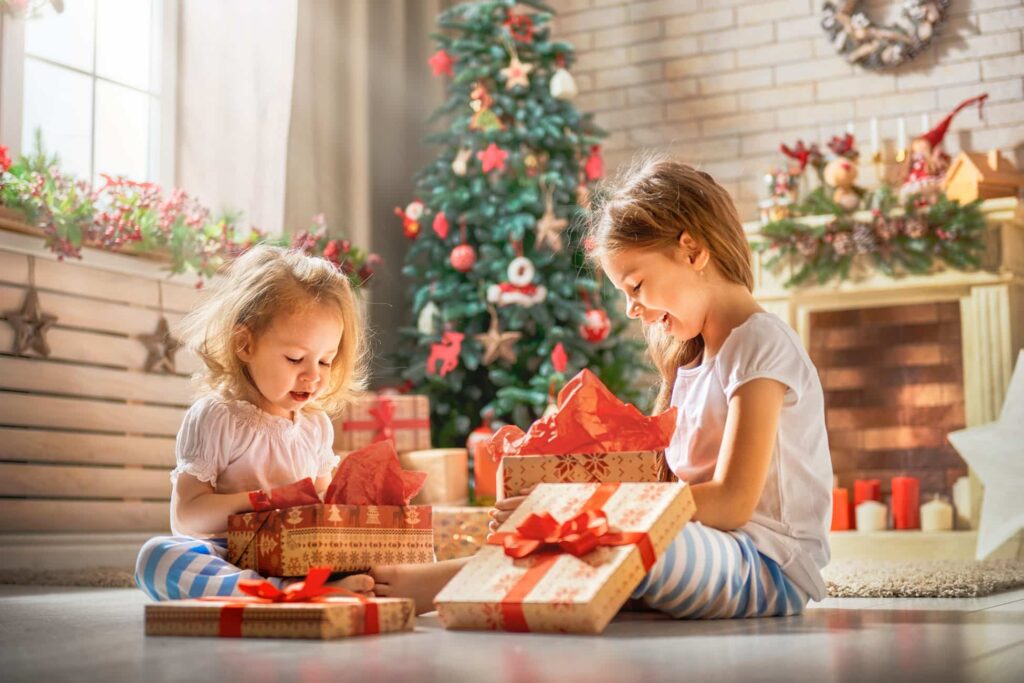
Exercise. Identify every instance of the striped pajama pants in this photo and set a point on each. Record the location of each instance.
(710, 574)
(173, 567)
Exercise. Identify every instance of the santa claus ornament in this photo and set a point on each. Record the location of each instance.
(928, 163)
(519, 290)
(411, 218)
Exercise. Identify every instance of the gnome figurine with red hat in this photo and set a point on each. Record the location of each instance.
(928, 163)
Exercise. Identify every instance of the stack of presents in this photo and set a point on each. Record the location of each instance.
(602, 510)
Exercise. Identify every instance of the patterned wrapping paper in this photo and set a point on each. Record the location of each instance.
(447, 475)
(345, 538)
(459, 531)
(574, 595)
(517, 472)
(327, 619)
(404, 418)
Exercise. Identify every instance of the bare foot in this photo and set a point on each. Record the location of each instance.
(357, 583)
(421, 582)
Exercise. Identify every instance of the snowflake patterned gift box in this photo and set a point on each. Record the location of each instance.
(309, 609)
(346, 538)
(402, 418)
(518, 472)
(567, 559)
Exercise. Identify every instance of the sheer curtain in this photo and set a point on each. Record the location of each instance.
(361, 94)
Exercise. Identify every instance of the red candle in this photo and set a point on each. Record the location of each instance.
(840, 510)
(865, 489)
(905, 503)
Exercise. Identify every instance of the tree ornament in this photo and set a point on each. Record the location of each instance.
(596, 326)
(562, 84)
(857, 38)
(594, 167)
(426, 322)
(497, 344)
(460, 164)
(517, 73)
(160, 347)
(440, 225)
(446, 352)
(519, 289)
(493, 157)
(520, 27)
(483, 118)
(559, 359)
(441, 63)
(532, 164)
(411, 218)
(550, 226)
(30, 325)
(583, 196)
(928, 162)
(463, 258)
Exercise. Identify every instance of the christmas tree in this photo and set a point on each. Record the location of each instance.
(506, 306)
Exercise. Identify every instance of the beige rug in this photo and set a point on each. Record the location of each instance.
(922, 579)
(100, 577)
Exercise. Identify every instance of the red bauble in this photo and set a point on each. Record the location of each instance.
(463, 258)
(597, 326)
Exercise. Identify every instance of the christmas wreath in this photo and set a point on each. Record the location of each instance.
(897, 240)
(858, 39)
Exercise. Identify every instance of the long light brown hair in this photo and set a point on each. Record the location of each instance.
(259, 285)
(649, 207)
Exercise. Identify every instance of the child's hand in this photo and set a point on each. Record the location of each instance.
(503, 509)
(357, 583)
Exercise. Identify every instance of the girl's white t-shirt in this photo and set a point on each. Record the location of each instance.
(791, 521)
(236, 446)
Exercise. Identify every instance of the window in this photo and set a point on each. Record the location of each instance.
(97, 80)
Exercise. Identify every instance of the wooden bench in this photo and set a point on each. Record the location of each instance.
(86, 435)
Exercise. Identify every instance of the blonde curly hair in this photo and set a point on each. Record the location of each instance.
(260, 284)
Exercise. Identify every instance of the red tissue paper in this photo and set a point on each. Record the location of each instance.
(373, 476)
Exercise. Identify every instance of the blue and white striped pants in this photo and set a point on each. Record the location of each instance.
(173, 567)
(710, 574)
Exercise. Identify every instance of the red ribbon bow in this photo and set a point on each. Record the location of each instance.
(384, 416)
(543, 533)
(311, 589)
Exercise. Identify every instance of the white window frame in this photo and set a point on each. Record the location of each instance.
(165, 46)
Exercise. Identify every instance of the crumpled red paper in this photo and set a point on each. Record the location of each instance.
(301, 492)
(373, 476)
(589, 419)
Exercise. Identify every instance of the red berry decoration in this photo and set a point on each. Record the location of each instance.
(597, 326)
(463, 258)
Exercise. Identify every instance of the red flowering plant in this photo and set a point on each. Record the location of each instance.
(140, 217)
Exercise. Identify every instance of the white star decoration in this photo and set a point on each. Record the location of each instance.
(995, 454)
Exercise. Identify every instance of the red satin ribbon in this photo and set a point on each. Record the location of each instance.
(384, 423)
(311, 589)
(545, 537)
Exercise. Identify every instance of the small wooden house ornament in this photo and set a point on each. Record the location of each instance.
(974, 175)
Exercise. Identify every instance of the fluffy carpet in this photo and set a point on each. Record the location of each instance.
(849, 579)
(922, 579)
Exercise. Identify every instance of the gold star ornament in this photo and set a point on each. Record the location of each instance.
(498, 344)
(30, 326)
(161, 347)
(517, 73)
(549, 229)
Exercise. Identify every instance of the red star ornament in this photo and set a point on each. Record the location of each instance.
(492, 158)
(441, 63)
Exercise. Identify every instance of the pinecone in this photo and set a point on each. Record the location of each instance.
(864, 238)
(842, 243)
(886, 229)
(807, 245)
(916, 228)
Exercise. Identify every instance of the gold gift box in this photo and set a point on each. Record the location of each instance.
(404, 418)
(517, 472)
(459, 531)
(447, 475)
(576, 594)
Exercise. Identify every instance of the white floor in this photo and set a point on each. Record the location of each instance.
(78, 634)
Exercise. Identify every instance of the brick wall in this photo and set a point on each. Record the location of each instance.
(720, 83)
(893, 382)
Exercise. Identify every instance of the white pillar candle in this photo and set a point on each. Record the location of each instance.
(874, 134)
(849, 127)
(872, 516)
(901, 133)
(962, 502)
(936, 515)
(924, 123)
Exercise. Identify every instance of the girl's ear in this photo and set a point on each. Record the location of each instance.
(244, 343)
(696, 254)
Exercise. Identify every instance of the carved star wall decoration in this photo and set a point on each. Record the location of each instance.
(161, 347)
(498, 344)
(30, 326)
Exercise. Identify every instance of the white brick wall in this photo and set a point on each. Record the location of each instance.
(720, 83)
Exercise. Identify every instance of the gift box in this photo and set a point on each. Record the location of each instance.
(266, 612)
(364, 520)
(517, 472)
(591, 437)
(447, 475)
(459, 531)
(567, 559)
(403, 418)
